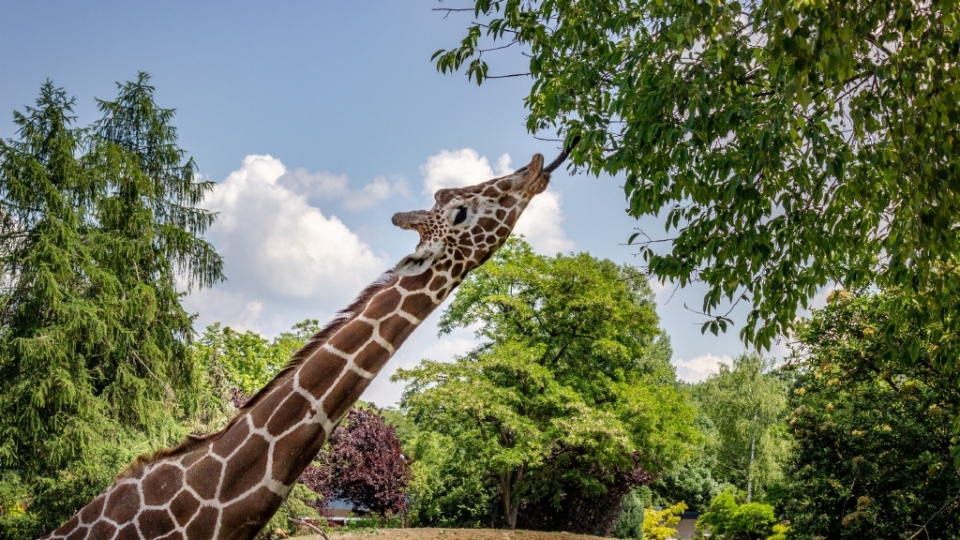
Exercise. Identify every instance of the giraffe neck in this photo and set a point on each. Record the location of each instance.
(228, 485)
(335, 375)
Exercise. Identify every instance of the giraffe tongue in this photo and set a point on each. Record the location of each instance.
(562, 157)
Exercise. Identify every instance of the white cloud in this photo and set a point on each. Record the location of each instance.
(540, 222)
(329, 186)
(701, 367)
(285, 260)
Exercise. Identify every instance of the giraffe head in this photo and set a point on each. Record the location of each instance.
(466, 225)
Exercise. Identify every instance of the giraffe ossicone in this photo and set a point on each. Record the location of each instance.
(228, 484)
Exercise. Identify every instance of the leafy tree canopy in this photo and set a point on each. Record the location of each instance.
(874, 435)
(692, 482)
(569, 388)
(787, 144)
(248, 360)
(746, 404)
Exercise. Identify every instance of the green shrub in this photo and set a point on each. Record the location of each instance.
(735, 521)
(630, 523)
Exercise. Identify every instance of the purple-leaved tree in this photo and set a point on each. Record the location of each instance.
(363, 465)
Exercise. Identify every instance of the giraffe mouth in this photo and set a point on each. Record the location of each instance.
(411, 220)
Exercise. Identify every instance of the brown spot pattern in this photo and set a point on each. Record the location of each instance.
(162, 484)
(155, 523)
(417, 304)
(294, 451)
(396, 329)
(204, 524)
(128, 533)
(372, 357)
(123, 503)
(184, 506)
(244, 515)
(419, 281)
(229, 441)
(203, 477)
(90, 512)
(317, 375)
(296, 406)
(343, 395)
(384, 303)
(246, 469)
(269, 403)
(102, 529)
(351, 337)
(488, 224)
(437, 283)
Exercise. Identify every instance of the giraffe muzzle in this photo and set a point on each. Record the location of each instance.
(411, 220)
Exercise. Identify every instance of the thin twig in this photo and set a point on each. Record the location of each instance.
(951, 502)
(316, 529)
(506, 76)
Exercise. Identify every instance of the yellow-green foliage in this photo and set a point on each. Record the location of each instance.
(780, 531)
(661, 524)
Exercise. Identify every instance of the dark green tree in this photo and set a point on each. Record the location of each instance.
(98, 224)
(691, 482)
(146, 234)
(449, 487)
(568, 398)
(874, 434)
(787, 144)
(629, 524)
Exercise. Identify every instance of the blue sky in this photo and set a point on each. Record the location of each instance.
(319, 120)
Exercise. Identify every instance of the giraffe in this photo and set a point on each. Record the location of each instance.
(228, 484)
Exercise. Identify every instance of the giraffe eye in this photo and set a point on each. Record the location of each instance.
(461, 216)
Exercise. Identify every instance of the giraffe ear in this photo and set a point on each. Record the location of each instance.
(415, 263)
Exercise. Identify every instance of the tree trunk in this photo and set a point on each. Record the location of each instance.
(510, 507)
(508, 514)
(753, 451)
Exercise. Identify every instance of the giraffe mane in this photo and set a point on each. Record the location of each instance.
(191, 442)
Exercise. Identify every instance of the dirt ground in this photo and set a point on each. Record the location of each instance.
(452, 534)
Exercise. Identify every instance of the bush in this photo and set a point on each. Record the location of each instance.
(874, 429)
(734, 521)
(659, 524)
(629, 525)
(448, 488)
(362, 464)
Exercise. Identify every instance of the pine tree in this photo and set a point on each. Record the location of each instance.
(147, 234)
(50, 313)
(97, 227)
